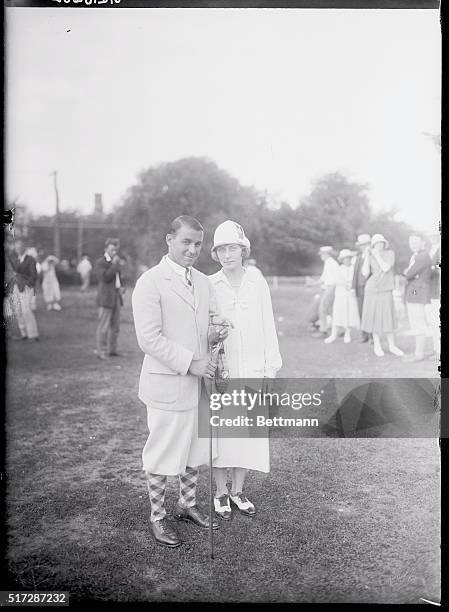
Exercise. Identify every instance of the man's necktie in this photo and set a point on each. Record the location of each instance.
(188, 281)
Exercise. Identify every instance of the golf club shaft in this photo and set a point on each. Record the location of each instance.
(211, 495)
(214, 357)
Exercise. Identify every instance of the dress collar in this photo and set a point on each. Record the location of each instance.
(221, 276)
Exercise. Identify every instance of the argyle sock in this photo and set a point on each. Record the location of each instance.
(187, 487)
(156, 490)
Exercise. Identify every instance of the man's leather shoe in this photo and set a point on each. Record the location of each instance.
(164, 533)
(114, 354)
(364, 339)
(193, 515)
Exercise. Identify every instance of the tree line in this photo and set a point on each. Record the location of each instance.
(284, 240)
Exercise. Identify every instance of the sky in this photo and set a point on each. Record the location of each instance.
(276, 97)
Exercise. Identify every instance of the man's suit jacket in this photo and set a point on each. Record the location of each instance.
(417, 289)
(108, 294)
(171, 328)
(25, 271)
(358, 280)
(435, 288)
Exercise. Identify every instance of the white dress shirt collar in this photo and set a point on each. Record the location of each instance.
(177, 268)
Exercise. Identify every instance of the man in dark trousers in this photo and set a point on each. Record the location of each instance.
(21, 289)
(433, 308)
(417, 294)
(359, 280)
(109, 299)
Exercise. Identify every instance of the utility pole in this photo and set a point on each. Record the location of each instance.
(56, 230)
(79, 248)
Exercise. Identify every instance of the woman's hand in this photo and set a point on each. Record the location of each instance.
(221, 320)
(219, 328)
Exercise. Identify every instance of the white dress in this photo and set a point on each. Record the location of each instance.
(252, 351)
(50, 283)
(345, 312)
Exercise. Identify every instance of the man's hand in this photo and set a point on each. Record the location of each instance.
(203, 367)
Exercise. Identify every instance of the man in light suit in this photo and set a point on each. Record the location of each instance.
(172, 303)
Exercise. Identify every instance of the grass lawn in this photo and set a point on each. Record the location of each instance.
(340, 520)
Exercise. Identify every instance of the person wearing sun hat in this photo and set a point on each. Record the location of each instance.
(359, 280)
(252, 351)
(345, 312)
(378, 317)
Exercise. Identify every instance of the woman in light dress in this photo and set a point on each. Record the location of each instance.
(378, 315)
(84, 269)
(345, 311)
(33, 252)
(251, 350)
(50, 283)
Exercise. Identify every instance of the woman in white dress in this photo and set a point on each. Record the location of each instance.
(50, 283)
(345, 312)
(33, 252)
(251, 350)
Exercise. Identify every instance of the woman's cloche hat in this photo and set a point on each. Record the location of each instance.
(378, 238)
(345, 253)
(230, 232)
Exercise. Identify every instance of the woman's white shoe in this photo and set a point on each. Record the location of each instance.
(396, 351)
(222, 507)
(330, 339)
(243, 504)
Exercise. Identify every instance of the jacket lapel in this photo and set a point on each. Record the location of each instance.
(177, 285)
(196, 287)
